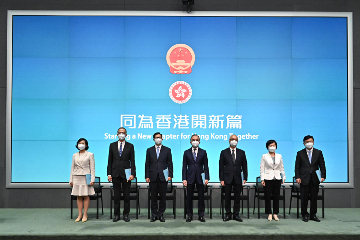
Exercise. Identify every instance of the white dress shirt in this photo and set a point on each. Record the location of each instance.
(123, 145)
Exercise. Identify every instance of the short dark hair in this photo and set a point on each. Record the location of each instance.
(308, 137)
(270, 142)
(195, 135)
(122, 128)
(156, 134)
(86, 143)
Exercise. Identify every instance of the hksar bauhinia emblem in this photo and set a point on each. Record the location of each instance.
(180, 59)
(180, 92)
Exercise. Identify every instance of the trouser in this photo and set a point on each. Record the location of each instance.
(237, 192)
(189, 200)
(307, 192)
(272, 188)
(158, 187)
(118, 184)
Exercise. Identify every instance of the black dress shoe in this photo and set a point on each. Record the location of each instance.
(162, 219)
(238, 218)
(227, 218)
(314, 218)
(202, 219)
(126, 218)
(305, 218)
(153, 218)
(189, 219)
(116, 218)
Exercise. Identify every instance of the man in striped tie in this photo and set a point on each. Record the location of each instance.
(308, 160)
(231, 163)
(195, 163)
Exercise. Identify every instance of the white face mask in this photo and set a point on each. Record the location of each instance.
(121, 136)
(233, 143)
(81, 146)
(309, 145)
(272, 149)
(158, 141)
(195, 144)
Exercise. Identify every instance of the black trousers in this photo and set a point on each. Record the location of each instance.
(158, 187)
(272, 188)
(237, 192)
(118, 184)
(189, 200)
(307, 192)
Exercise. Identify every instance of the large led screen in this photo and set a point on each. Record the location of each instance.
(257, 77)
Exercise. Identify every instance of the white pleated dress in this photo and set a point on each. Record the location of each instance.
(80, 188)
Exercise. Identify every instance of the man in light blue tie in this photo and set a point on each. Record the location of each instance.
(195, 162)
(158, 158)
(308, 160)
(121, 157)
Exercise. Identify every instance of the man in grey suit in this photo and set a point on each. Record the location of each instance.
(121, 157)
(308, 160)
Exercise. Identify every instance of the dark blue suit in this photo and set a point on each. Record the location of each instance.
(154, 170)
(191, 172)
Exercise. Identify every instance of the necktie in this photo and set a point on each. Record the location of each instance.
(157, 152)
(194, 155)
(310, 156)
(120, 151)
(233, 155)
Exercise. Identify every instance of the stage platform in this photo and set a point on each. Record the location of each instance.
(56, 224)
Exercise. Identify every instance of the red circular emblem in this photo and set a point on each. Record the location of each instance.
(180, 92)
(180, 59)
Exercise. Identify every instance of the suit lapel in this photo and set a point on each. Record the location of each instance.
(237, 159)
(154, 149)
(125, 147)
(314, 156)
(199, 155)
(306, 156)
(192, 155)
(81, 158)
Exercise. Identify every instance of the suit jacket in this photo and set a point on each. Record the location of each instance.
(116, 164)
(192, 169)
(82, 165)
(228, 170)
(154, 165)
(269, 170)
(303, 166)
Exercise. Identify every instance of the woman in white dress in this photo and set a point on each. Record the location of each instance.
(83, 163)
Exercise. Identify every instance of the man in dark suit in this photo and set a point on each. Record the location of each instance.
(307, 162)
(195, 162)
(121, 157)
(158, 158)
(232, 162)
